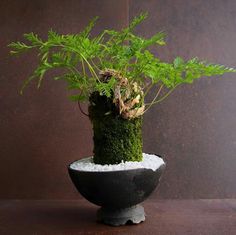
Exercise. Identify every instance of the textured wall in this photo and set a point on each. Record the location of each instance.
(42, 131)
(194, 130)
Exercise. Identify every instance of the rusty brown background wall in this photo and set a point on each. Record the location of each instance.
(194, 130)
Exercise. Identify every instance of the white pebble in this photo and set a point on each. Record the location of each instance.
(150, 161)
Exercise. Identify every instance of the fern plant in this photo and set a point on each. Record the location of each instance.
(114, 71)
(83, 58)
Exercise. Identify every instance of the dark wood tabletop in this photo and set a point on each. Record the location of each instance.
(198, 217)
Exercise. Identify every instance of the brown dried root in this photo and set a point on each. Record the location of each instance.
(128, 96)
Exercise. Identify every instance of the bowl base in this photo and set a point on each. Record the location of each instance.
(117, 217)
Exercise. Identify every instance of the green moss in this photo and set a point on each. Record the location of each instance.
(115, 139)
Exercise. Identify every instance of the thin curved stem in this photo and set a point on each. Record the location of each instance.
(90, 66)
(157, 94)
(83, 67)
(83, 57)
(149, 87)
(165, 96)
(95, 66)
(161, 99)
(81, 110)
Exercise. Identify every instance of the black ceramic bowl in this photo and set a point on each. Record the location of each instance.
(116, 189)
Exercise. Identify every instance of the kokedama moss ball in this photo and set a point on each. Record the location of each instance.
(115, 139)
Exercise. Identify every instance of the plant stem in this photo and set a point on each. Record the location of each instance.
(83, 57)
(165, 96)
(82, 62)
(81, 110)
(90, 66)
(149, 87)
(95, 66)
(161, 99)
(157, 94)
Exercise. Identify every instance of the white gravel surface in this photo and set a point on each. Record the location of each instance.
(150, 161)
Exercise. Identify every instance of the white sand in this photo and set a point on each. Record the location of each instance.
(150, 161)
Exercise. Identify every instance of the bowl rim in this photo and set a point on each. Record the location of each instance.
(161, 167)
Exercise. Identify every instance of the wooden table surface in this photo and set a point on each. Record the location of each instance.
(200, 217)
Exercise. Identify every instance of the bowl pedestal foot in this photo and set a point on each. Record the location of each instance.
(121, 216)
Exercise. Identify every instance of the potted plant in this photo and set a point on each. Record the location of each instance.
(114, 71)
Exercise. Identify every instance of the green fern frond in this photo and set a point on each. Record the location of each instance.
(81, 58)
